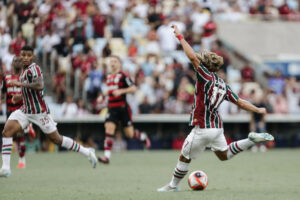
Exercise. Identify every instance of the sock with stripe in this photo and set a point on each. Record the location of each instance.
(108, 144)
(6, 152)
(236, 147)
(21, 146)
(70, 144)
(180, 171)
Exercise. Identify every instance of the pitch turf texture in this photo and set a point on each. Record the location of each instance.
(136, 175)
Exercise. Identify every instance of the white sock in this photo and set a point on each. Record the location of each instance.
(238, 146)
(107, 153)
(6, 152)
(22, 160)
(179, 172)
(70, 144)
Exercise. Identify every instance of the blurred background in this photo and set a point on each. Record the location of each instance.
(72, 40)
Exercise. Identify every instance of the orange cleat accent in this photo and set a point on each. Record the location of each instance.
(21, 165)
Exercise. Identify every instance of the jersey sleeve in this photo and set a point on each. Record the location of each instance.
(202, 72)
(127, 80)
(36, 71)
(230, 95)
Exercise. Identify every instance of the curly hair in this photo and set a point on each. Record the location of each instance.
(210, 60)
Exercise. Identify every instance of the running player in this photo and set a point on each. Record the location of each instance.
(8, 91)
(34, 110)
(208, 130)
(119, 84)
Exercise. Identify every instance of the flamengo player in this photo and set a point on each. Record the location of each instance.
(36, 111)
(208, 131)
(119, 84)
(10, 91)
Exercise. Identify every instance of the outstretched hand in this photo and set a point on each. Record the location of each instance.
(176, 31)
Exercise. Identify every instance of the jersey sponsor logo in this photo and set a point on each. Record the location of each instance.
(14, 89)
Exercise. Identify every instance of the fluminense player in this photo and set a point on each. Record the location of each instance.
(119, 84)
(210, 91)
(34, 110)
(7, 92)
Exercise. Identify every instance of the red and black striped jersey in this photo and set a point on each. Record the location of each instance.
(114, 82)
(10, 91)
(210, 91)
(33, 100)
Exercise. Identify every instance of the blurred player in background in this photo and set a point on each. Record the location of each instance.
(34, 110)
(119, 84)
(8, 91)
(208, 130)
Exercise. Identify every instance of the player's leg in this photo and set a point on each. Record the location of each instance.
(129, 130)
(238, 146)
(15, 123)
(193, 145)
(110, 128)
(21, 149)
(48, 126)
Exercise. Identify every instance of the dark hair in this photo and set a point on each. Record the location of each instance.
(27, 48)
(117, 57)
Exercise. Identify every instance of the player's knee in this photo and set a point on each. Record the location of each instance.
(184, 159)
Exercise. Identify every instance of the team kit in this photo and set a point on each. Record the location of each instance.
(24, 88)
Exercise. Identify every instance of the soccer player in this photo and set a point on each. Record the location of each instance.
(119, 84)
(9, 91)
(208, 130)
(34, 110)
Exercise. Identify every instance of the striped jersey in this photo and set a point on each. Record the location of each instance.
(114, 82)
(10, 91)
(210, 91)
(33, 100)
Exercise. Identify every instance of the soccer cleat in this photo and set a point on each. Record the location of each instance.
(92, 157)
(104, 160)
(21, 165)
(167, 188)
(260, 137)
(5, 172)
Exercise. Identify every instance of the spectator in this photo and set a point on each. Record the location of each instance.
(167, 41)
(99, 24)
(247, 73)
(81, 111)
(17, 44)
(69, 108)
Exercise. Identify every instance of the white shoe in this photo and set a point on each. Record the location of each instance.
(92, 157)
(5, 172)
(260, 137)
(167, 188)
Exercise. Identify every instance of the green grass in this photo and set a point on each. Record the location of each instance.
(136, 175)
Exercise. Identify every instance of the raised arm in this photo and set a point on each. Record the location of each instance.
(188, 50)
(246, 105)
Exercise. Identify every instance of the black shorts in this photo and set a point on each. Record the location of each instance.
(120, 114)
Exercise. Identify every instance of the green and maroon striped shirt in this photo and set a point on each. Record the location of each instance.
(210, 92)
(33, 100)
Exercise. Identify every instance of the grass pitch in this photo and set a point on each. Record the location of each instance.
(136, 175)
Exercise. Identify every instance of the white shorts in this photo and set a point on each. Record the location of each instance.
(43, 120)
(199, 139)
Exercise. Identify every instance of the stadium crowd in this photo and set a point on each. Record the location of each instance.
(73, 40)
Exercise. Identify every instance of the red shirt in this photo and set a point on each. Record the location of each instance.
(115, 82)
(10, 92)
(99, 23)
(17, 45)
